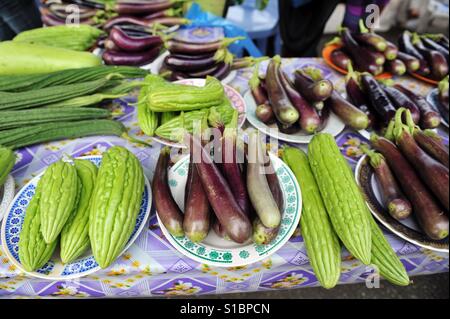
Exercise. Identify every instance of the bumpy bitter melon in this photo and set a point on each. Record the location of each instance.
(7, 161)
(75, 234)
(59, 187)
(115, 204)
(342, 197)
(34, 252)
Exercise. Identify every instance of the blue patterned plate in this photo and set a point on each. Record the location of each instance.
(55, 269)
(215, 251)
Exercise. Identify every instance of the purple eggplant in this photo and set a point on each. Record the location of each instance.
(429, 117)
(310, 120)
(406, 45)
(432, 45)
(142, 8)
(284, 110)
(379, 100)
(391, 52)
(133, 44)
(367, 38)
(347, 112)
(178, 47)
(131, 58)
(313, 91)
(412, 63)
(433, 144)
(222, 71)
(340, 59)
(399, 99)
(201, 74)
(87, 3)
(190, 65)
(396, 67)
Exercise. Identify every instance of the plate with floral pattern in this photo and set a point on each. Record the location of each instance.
(215, 251)
(55, 269)
(235, 98)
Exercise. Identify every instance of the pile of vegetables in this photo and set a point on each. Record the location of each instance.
(7, 161)
(72, 37)
(412, 167)
(72, 206)
(441, 102)
(222, 196)
(304, 105)
(380, 101)
(46, 107)
(164, 107)
(429, 52)
(192, 60)
(334, 210)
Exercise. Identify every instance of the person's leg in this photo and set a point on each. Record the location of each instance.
(20, 15)
(5, 31)
(302, 27)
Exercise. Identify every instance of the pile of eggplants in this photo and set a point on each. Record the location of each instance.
(302, 105)
(412, 168)
(380, 101)
(429, 52)
(440, 100)
(238, 201)
(198, 60)
(369, 52)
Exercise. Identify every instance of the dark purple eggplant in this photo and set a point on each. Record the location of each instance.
(178, 47)
(274, 185)
(178, 76)
(432, 219)
(412, 63)
(396, 67)
(361, 56)
(86, 3)
(130, 58)
(358, 97)
(166, 207)
(222, 71)
(111, 46)
(432, 45)
(310, 120)
(133, 44)
(340, 59)
(125, 20)
(347, 112)
(406, 45)
(433, 173)
(378, 57)
(285, 112)
(313, 91)
(399, 99)
(264, 113)
(433, 144)
(391, 52)
(430, 119)
(194, 57)
(201, 74)
(379, 100)
(230, 215)
(142, 8)
(437, 61)
(190, 65)
(394, 201)
(367, 38)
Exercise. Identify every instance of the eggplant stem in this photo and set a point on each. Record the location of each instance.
(254, 81)
(390, 131)
(375, 158)
(399, 127)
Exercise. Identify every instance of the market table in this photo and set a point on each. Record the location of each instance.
(152, 267)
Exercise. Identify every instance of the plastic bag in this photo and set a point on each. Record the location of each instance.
(201, 18)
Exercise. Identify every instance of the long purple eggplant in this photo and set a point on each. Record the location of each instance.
(379, 99)
(87, 3)
(133, 44)
(340, 59)
(190, 65)
(310, 120)
(166, 207)
(433, 144)
(432, 219)
(142, 8)
(347, 112)
(432, 45)
(396, 67)
(282, 106)
(406, 45)
(237, 225)
(429, 117)
(179, 47)
(412, 63)
(402, 100)
(129, 58)
(437, 61)
(222, 71)
(313, 91)
(200, 74)
(391, 52)
(433, 173)
(393, 199)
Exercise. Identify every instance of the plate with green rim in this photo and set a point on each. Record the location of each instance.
(215, 251)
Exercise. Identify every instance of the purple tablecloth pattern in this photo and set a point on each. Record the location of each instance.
(152, 267)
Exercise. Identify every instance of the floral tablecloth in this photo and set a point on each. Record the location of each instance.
(152, 267)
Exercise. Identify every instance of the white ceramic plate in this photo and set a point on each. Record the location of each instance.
(6, 195)
(235, 98)
(407, 229)
(334, 125)
(157, 64)
(55, 269)
(215, 251)
(433, 98)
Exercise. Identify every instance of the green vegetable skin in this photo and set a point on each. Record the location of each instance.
(147, 119)
(177, 97)
(33, 251)
(59, 192)
(75, 234)
(342, 197)
(385, 258)
(322, 243)
(22, 58)
(115, 204)
(7, 161)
